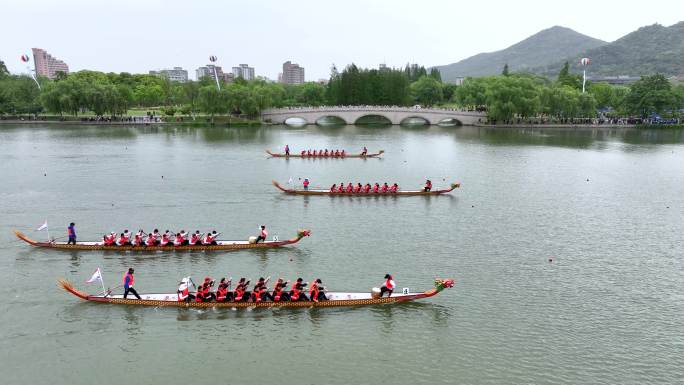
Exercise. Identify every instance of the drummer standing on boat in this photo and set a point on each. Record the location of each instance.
(128, 284)
(71, 232)
(287, 150)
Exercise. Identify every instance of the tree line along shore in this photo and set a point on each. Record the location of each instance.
(509, 98)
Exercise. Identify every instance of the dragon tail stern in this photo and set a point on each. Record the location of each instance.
(68, 287)
(24, 238)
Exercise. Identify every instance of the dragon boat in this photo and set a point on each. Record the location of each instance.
(282, 155)
(221, 245)
(362, 194)
(335, 299)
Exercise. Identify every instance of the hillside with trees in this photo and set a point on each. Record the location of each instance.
(646, 51)
(546, 47)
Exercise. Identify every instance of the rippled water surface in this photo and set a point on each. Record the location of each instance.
(607, 207)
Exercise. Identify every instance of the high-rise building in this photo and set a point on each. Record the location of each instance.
(292, 73)
(46, 65)
(208, 70)
(244, 71)
(228, 77)
(177, 74)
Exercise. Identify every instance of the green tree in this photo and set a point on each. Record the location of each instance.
(505, 70)
(427, 91)
(212, 101)
(650, 94)
(565, 78)
(3, 70)
(435, 74)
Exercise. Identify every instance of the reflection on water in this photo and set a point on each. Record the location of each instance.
(512, 317)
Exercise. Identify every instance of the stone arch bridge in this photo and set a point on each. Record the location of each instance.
(351, 114)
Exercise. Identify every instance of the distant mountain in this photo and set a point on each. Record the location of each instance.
(545, 48)
(648, 50)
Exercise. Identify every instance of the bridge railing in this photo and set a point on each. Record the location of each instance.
(320, 109)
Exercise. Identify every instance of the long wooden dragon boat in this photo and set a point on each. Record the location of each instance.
(282, 155)
(222, 245)
(335, 299)
(370, 194)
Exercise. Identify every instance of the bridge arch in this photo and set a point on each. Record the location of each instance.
(295, 121)
(373, 118)
(332, 120)
(449, 122)
(414, 121)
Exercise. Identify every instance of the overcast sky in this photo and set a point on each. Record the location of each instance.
(139, 35)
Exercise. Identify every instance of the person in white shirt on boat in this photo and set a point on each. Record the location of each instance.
(388, 287)
(184, 290)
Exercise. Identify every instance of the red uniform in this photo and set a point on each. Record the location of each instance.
(350, 188)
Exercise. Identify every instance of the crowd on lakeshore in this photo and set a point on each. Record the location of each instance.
(381, 108)
(599, 121)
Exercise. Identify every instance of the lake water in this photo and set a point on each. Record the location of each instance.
(607, 207)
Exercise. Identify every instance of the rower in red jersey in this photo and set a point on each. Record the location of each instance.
(222, 291)
(210, 238)
(333, 188)
(341, 188)
(109, 239)
(376, 188)
(241, 293)
(358, 188)
(260, 292)
(326, 152)
(180, 239)
(196, 238)
(303, 152)
(428, 185)
(278, 293)
(152, 238)
(364, 152)
(337, 152)
(316, 292)
(350, 188)
(342, 153)
(124, 239)
(165, 239)
(308, 153)
(296, 292)
(138, 239)
(394, 188)
(384, 188)
(367, 188)
(306, 183)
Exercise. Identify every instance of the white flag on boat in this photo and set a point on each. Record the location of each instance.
(97, 276)
(43, 226)
(290, 181)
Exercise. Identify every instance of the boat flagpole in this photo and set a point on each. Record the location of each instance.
(104, 292)
(45, 226)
